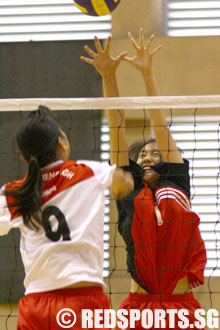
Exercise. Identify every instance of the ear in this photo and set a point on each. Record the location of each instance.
(63, 143)
(63, 148)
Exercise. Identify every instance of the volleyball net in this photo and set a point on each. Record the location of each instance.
(195, 125)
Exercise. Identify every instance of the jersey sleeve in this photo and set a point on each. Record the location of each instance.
(5, 216)
(102, 171)
(136, 171)
(174, 174)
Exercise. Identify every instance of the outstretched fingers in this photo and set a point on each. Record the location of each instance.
(155, 50)
(129, 59)
(141, 38)
(90, 51)
(86, 59)
(98, 45)
(133, 42)
(121, 57)
(107, 47)
(149, 42)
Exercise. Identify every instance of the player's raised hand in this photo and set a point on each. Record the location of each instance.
(104, 63)
(142, 60)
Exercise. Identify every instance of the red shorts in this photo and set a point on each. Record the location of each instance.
(38, 311)
(154, 302)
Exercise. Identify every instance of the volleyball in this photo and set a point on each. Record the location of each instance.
(96, 7)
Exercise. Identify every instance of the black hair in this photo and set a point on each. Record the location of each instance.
(136, 148)
(37, 137)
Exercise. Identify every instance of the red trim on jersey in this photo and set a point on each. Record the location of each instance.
(70, 174)
(56, 180)
(10, 200)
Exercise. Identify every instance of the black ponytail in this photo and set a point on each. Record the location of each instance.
(37, 138)
(28, 197)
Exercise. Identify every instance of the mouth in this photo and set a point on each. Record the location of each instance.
(150, 175)
(148, 171)
(147, 168)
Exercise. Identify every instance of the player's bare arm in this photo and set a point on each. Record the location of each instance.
(107, 65)
(143, 62)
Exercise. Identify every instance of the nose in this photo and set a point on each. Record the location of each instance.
(147, 159)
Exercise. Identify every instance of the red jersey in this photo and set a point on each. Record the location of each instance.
(161, 232)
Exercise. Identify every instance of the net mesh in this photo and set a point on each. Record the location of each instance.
(194, 123)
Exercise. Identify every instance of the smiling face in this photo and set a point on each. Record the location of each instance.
(147, 157)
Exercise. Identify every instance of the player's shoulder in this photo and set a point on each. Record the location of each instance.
(12, 185)
(85, 169)
(95, 165)
(88, 162)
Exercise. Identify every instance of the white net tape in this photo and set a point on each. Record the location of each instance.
(153, 102)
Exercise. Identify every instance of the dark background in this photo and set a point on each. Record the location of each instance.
(35, 70)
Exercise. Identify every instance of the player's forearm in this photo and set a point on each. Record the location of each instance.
(115, 118)
(116, 122)
(158, 116)
(110, 86)
(162, 134)
(151, 84)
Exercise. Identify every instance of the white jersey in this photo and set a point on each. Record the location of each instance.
(69, 249)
